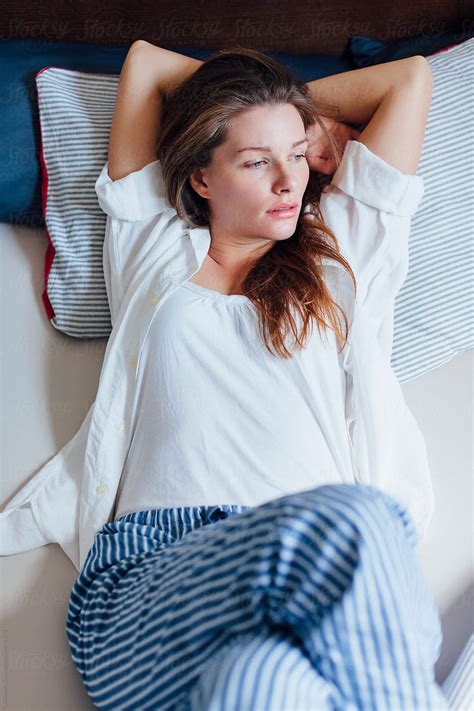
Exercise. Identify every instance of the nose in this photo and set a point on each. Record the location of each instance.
(285, 180)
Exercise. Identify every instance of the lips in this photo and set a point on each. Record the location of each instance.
(283, 213)
(283, 206)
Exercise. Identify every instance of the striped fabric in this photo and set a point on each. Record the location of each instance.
(314, 600)
(433, 312)
(458, 687)
(75, 110)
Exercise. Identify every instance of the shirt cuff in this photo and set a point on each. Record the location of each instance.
(19, 531)
(365, 176)
(137, 196)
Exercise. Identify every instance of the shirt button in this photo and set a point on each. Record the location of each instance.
(119, 425)
(134, 361)
(100, 489)
(153, 299)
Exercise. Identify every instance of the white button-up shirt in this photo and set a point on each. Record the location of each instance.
(148, 252)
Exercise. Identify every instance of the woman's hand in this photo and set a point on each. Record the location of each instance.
(318, 153)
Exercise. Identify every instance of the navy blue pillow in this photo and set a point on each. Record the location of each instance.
(366, 51)
(21, 60)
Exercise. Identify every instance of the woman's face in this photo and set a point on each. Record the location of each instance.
(243, 185)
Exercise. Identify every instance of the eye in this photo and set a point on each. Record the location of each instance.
(258, 162)
(254, 165)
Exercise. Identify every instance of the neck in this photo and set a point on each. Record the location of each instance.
(237, 259)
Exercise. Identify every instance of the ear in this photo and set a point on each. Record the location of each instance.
(198, 182)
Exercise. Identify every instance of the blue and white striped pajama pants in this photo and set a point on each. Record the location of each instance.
(311, 601)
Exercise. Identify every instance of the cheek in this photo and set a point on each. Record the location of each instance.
(245, 196)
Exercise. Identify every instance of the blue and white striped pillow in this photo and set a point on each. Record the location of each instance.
(433, 311)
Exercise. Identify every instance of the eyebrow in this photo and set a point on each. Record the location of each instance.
(267, 149)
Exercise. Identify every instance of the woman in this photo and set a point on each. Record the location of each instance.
(305, 591)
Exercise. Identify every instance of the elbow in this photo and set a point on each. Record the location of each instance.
(420, 71)
(419, 78)
(139, 45)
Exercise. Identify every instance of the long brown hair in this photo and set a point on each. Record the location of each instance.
(194, 121)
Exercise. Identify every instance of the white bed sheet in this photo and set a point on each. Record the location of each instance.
(48, 382)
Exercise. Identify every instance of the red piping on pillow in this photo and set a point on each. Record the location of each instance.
(445, 49)
(51, 251)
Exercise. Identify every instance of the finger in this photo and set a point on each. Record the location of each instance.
(326, 166)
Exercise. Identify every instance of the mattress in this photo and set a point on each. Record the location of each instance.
(48, 382)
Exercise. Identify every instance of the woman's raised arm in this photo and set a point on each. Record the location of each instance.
(148, 71)
(391, 100)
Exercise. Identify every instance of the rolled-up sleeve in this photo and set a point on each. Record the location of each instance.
(135, 206)
(366, 177)
(135, 197)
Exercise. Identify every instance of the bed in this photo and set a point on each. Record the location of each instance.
(49, 379)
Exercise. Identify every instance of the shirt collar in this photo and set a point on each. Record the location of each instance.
(201, 241)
